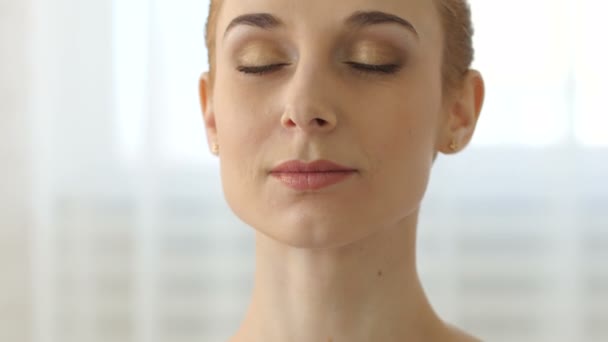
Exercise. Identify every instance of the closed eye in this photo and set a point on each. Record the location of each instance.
(262, 69)
(361, 67)
(375, 68)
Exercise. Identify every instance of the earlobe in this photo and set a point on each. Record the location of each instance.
(205, 96)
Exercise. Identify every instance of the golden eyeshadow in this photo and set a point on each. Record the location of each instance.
(259, 53)
(372, 53)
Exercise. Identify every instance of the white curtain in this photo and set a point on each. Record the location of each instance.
(113, 226)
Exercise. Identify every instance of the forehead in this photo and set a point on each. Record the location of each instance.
(326, 16)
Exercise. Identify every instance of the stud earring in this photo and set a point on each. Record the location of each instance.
(453, 146)
(215, 149)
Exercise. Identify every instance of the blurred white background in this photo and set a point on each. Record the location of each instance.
(113, 226)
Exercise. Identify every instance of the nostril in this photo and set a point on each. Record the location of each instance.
(321, 122)
(289, 123)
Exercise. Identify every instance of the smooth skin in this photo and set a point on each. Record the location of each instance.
(336, 264)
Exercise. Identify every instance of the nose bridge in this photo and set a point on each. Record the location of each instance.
(309, 102)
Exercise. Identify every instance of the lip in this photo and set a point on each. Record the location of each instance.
(297, 166)
(314, 175)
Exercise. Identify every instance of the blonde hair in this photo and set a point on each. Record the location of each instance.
(458, 45)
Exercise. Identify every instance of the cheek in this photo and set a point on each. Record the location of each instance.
(400, 145)
(243, 129)
(403, 124)
(240, 118)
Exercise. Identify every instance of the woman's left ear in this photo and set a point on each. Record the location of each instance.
(463, 109)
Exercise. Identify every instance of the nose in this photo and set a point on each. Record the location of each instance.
(308, 121)
(309, 106)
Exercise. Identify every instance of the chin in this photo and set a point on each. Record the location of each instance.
(306, 231)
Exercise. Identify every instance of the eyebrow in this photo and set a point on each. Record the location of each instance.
(358, 19)
(365, 18)
(262, 20)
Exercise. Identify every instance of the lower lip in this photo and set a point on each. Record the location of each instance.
(312, 180)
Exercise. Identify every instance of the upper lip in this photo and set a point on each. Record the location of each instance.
(297, 166)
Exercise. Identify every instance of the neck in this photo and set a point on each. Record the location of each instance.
(368, 290)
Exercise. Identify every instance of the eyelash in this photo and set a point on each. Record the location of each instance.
(260, 70)
(382, 69)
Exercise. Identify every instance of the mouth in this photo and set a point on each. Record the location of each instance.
(315, 175)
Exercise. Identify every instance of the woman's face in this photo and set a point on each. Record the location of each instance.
(321, 100)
